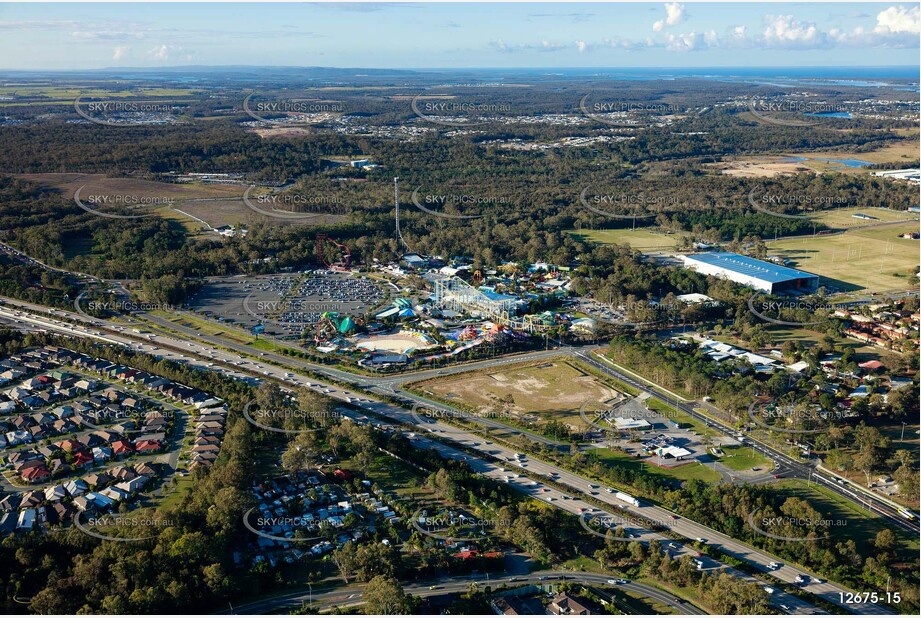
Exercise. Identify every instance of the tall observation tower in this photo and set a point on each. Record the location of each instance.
(396, 203)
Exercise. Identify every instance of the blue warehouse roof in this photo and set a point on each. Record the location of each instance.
(741, 264)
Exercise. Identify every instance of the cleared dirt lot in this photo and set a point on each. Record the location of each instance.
(550, 390)
(197, 206)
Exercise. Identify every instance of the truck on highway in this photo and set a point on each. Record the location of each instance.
(627, 498)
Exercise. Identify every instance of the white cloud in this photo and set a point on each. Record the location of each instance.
(691, 41)
(785, 31)
(544, 46)
(161, 52)
(674, 15)
(120, 52)
(896, 27)
(899, 19)
(164, 53)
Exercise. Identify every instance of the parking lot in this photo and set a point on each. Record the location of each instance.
(660, 441)
(285, 304)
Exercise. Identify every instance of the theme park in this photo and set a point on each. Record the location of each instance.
(418, 310)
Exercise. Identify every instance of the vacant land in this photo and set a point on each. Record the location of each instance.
(743, 458)
(905, 151)
(645, 240)
(197, 206)
(872, 258)
(862, 526)
(550, 390)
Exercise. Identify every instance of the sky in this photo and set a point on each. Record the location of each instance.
(458, 35)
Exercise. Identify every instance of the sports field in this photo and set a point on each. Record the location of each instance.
(841, 218)
(552, 390)
(645, 240)
(873, 259)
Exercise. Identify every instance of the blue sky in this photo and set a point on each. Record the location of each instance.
(416, 35)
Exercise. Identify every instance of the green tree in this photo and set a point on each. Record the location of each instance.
(383, 596)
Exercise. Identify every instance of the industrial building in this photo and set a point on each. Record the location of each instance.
(911, 175)
(757, 274)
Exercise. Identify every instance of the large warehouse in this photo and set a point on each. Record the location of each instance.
(753, 273)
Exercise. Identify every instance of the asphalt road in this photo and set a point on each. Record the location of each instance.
(687, 528)
(796, 468)
(391, 385)
(351, 595)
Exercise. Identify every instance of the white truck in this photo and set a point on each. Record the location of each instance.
(627, 498)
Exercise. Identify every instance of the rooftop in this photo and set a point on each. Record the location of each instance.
(744, 265)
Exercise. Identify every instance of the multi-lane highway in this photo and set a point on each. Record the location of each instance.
(795, 468)
(349, 596)
(172, 347)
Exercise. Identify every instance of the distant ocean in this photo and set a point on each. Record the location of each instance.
(897, 77)
(824, 73)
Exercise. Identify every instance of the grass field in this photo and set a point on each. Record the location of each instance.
(743, 458)
(695, 470)
(644, 240)
(551, 390)
(193, 205)
(862, 526)
(873, 259)
(843, 217)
